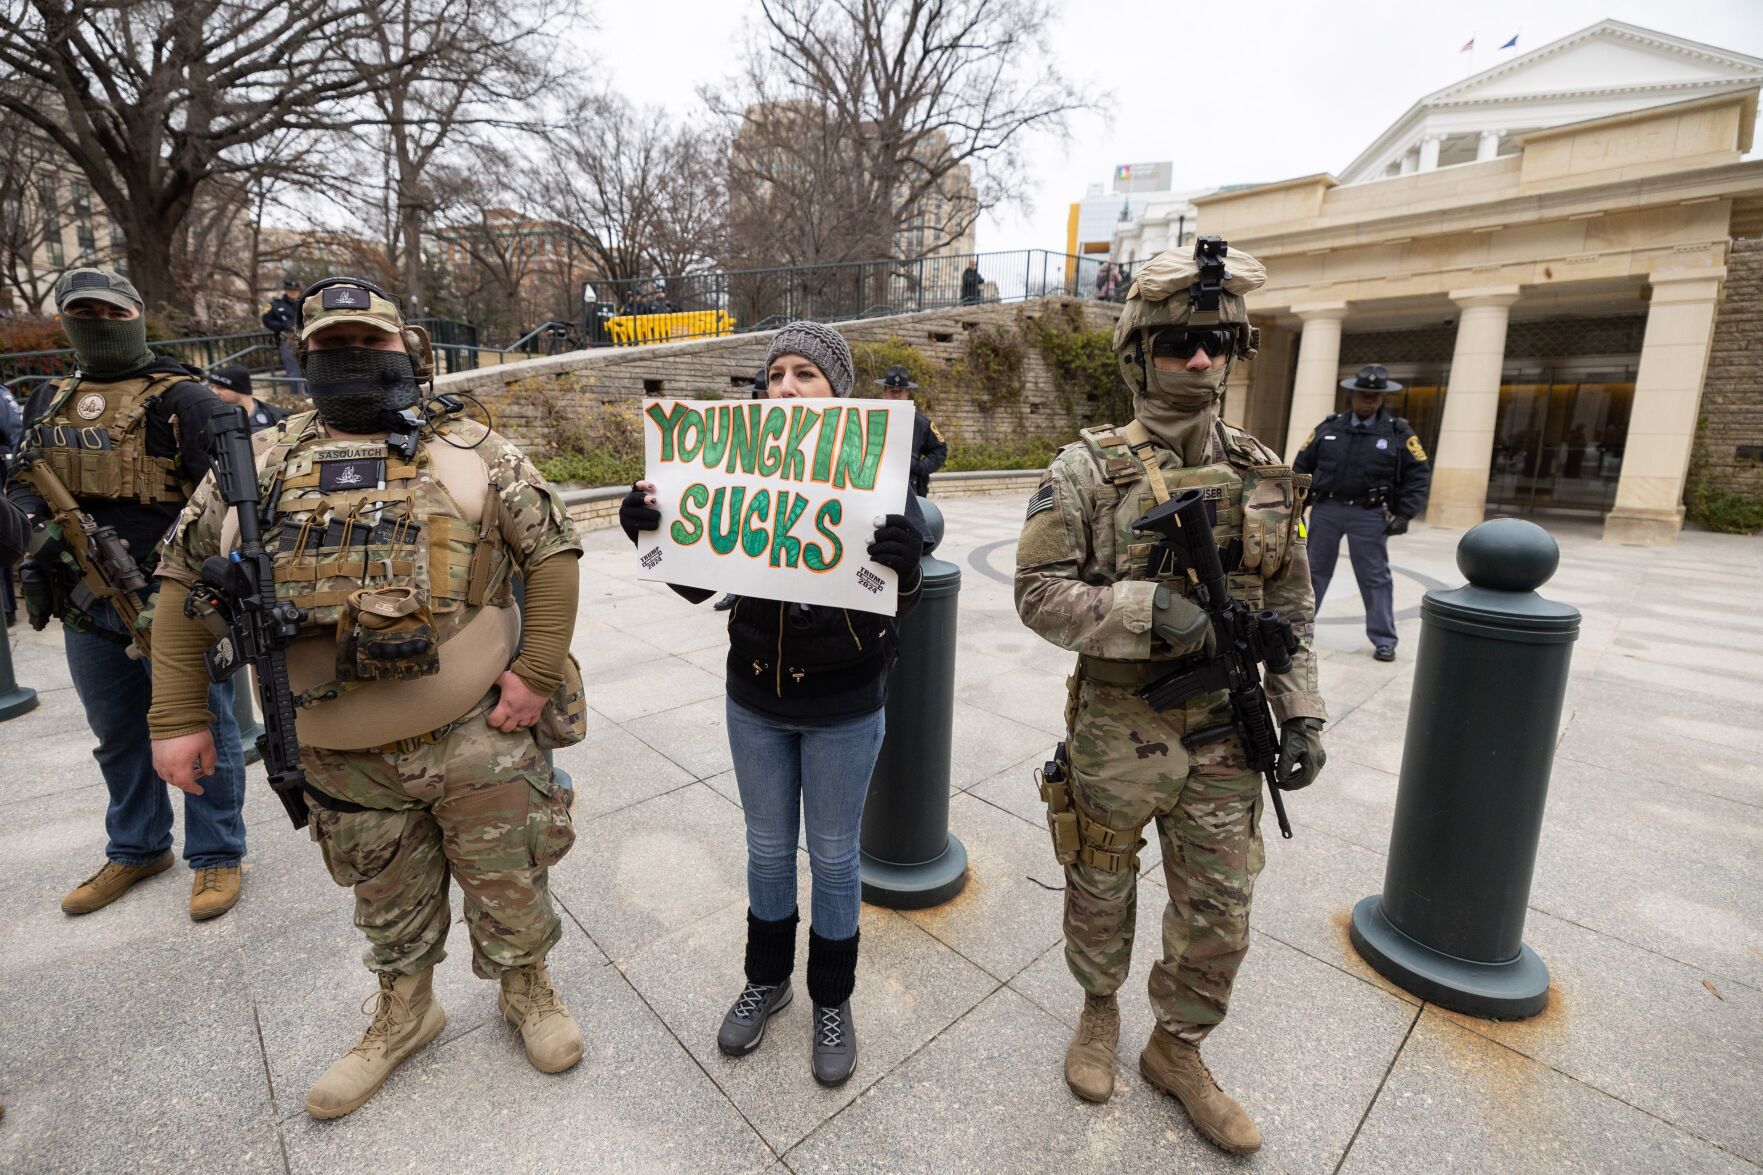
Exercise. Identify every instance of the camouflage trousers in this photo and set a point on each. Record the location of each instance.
(478, 805)
(1128, 768)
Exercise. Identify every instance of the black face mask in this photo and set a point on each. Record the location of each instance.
(359, 389)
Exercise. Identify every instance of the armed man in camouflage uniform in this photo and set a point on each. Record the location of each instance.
(401, 534)
(1084, 582)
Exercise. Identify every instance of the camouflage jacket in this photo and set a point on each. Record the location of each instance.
(1082, 579)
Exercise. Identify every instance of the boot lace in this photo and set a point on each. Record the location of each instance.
(832, 1027)
(387, 1006)
(1097, 1023)
(751, 999)
(110, 869)
(207, 879)
(541, 1000)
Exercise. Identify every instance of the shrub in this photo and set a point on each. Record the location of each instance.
(1083, 363)
(870, 361)
(1024, 453)
(1726, 511)
(31, 333)
(992, 368)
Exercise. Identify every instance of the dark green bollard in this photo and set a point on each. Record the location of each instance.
(910, 858)
(15, 699)
(1482, 724)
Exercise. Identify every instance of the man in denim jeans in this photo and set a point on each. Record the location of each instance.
(127, 434)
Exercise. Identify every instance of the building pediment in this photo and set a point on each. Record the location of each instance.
(1606, 69)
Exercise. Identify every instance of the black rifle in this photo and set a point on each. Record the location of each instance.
(1245, 640)
(240, 589)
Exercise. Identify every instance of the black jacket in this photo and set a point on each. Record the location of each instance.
(189, 404)
(928, 453)
(809, 663)
(283, 314)
(1383, 456)
(265, 415)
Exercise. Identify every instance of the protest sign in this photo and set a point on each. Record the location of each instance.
(776, 499)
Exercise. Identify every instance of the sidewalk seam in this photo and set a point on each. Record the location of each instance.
(1378, 1092)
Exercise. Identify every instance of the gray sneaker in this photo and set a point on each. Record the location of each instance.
(835, 1044)
(744, 1026)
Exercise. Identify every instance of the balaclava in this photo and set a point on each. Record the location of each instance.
(1179, 407)
(356, 389)
(821, 345)
(103, 346)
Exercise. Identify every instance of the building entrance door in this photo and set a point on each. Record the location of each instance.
(1559, 439)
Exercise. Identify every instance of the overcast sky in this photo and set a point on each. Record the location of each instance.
(1234, 92)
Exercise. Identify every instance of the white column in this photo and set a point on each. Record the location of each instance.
(1472, 399)
(1429, 152)
(1488, 146)
(1667, 397)
(1319, 358)
(1410, 160)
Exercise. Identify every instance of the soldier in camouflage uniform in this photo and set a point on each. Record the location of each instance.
(1083, 581)
(421, 748)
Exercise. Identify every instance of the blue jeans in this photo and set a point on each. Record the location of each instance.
(784, 770)
(116, 691)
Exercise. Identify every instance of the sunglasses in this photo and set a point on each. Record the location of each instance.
(1183, 343)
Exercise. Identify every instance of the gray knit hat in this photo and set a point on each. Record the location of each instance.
(822, 345)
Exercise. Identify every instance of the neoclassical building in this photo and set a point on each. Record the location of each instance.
(1540, 252)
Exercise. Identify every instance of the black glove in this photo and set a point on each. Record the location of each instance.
(1300, 753)
(897, 544)
(635, 515)
(1398, 524)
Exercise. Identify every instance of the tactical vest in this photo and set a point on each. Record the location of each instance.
(349, 514)
(94, 437)
(1256, 500)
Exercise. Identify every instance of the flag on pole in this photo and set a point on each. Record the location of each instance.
(1467, 45)
(1510, 44)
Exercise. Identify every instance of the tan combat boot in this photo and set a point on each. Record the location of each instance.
(1089, 1058)
(213, 892)
(529, 1002)
(1174, 1066)
(406, 1017)
(110, 883)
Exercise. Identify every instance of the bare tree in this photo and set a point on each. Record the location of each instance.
(645, 197)
(443, 71)
(37, 203)
(151, 99)
(851, 114)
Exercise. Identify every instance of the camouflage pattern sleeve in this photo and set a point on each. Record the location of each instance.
(1296, 694)
(1061, 590)
(194, 536)
(534, 523)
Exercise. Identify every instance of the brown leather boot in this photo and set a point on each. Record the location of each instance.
(1174, 1066)
(110, 883)
(528, 1001)
(406, 1016)
(1089, 1058)
(213, 892)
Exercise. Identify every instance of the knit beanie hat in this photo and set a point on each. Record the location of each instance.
(821, 345)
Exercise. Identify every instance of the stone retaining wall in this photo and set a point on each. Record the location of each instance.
(1732, 391)
(536, 400)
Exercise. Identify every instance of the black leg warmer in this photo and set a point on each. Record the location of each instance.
(771, 949)
(832, 969)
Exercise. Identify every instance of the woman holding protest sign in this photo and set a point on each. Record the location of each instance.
(806, 689)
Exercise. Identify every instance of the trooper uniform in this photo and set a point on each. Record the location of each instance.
(1084, 582)
(1370, 476)
(929, 450)
(409, 783)
(126, 435)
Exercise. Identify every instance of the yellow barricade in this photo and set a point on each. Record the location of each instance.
(637, 330)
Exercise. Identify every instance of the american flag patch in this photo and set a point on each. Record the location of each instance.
(1042, 499)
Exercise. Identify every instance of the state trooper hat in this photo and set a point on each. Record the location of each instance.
(1373, 377)
(99, 285)
(897, 377)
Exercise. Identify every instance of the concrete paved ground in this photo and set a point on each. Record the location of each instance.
(132, 1039)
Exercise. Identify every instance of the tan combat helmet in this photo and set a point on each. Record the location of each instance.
(1198, 288)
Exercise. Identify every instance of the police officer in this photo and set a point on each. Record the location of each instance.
(420, 753)
(929, 451)
(1370, 477)
(126, 436)
(279, 319)
(1084, 582)
(232, 383)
